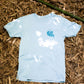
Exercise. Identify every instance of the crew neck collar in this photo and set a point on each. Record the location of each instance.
(50, 14)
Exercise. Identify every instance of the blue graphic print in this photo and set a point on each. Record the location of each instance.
(50, 33)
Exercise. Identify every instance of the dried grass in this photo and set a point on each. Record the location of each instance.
(9, 47)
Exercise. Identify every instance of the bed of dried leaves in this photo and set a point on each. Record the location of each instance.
(9, 47)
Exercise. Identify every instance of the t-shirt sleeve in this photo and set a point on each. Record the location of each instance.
(15, 27)
(70, 29)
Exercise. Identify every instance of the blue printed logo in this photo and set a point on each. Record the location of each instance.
(50, 33)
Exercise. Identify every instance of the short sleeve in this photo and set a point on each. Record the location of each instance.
(70, 29)
(15, 27)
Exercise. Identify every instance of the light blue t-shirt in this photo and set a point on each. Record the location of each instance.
(42, 49)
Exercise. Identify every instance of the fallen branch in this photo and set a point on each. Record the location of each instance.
(60, 10)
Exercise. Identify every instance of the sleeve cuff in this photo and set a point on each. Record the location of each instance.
(8, 29)
(76, 28)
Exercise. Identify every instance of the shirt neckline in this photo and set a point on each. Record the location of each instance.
(50, 14)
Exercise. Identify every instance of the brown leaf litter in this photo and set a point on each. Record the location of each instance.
(9, 47)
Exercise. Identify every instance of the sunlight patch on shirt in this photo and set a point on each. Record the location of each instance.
(57, 19)
(55, 22)
(74, 27)
(20, 26)
(47, 43)
(38, 33)
(37, 58)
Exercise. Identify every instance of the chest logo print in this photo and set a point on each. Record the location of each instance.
(50, 33)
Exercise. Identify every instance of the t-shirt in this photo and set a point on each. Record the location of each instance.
(42, 49)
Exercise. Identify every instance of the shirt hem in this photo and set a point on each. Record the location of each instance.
(42, 81)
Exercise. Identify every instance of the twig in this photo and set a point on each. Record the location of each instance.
(65, 12)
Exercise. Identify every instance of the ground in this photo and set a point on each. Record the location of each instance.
(9, 47)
